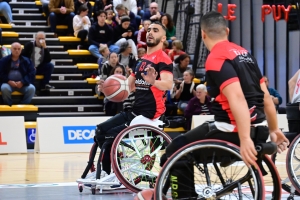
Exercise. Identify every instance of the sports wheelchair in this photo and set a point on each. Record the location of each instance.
(135, 157)
(219, 173)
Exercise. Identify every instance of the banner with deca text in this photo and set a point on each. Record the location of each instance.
(12, 135)
(66, 134)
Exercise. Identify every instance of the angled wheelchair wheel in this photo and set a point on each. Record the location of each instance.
(135, 156)
(218, 171)
(293, 163)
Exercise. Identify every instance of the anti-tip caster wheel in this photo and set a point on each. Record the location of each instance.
(290, 198)
(94, 191)
(80, 188)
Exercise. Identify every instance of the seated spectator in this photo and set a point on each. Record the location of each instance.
(109, 20)
(153, 14)
(124, 32)
(39, 55)
(17, 73)
(81, 25)
(112, 108)
(102, 5)
(104, 51)
(101, 33)
(78, 3)
(167, 21)
(61, 12)
(276, 98)
(142, 5)
(294, 88)
(113, 61)
(186, 90)
(45, 8)
(131, 5)
(165, 47)
(141, 53)
(198, 105)
(126, 58)
(171, 106)
(176, 49)
(141, 38)
(121, 11)
(181, 65)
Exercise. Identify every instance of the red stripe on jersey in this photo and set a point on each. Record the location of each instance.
(132, 74)
(160, 102)
(262, 80)
(157, 57)
(229, 81)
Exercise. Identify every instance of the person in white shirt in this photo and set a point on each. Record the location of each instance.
(129, 4)
(81, 25)
(294, 87)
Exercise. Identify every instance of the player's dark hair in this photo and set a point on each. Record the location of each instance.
(158, 23)
(214, 24)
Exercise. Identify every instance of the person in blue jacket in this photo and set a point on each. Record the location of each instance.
(276, 98)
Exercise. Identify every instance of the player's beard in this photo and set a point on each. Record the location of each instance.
(153, 44)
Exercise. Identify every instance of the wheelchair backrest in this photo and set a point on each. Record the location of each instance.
(140, 119)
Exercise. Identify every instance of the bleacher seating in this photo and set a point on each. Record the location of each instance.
(73, 95)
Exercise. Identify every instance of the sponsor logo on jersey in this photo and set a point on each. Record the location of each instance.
(141, 82)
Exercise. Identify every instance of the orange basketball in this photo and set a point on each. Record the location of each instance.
(115, 88)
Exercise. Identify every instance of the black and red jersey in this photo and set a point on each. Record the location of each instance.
(149, 100)
(228, 63)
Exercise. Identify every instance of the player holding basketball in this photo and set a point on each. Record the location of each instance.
(153, 76)
(243, 107)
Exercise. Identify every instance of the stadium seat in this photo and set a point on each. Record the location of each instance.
(197, 81)
(61, 27)
(6, 108)
(39, 77)
(9, 46)
(92, 3)
(87, 65)
(91, 80)
(9, 34)
(76, 52)
(179, 129)
(5, 26)
(68, 39)
(30, 125)
(38, 3)
(14, 93)
(179, 112)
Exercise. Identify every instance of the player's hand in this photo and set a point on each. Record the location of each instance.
(248, 151)
(279, 138)
(150, 76)
(100, 85)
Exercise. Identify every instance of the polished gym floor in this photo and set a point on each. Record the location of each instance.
(52, 177)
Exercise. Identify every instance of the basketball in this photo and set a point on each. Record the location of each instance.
(115, 88)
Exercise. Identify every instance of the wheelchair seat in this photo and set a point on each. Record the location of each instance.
(140, 119)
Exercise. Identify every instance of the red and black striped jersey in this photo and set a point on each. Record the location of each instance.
(228, 63)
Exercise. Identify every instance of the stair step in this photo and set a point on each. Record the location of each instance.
(70, 108)
(23, 5)
(71, 92)
(59, 52)
(66, 84)
(66, 77)
(76, 114)
(26, 11)
(62, 100)
(61, 61)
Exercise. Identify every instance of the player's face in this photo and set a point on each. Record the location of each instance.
(155, 35)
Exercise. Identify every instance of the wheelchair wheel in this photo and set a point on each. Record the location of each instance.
(135, 156)
(219, 173)
(293, 163)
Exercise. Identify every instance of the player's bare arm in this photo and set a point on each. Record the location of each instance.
(275, 133)
(165, 82)
(239, 108)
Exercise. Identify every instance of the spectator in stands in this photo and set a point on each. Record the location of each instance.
(176, 49)
(129, 4)
(81, 25)
(142, 5)
(141, 53)
(45, 9)
(78, 3)
(102, 5)
(39, 55)
(153, 14)
(181, 65)
(16, 74)
(198, 105)
(276, 98)
(186, 90)
(124, 32)
(101, 33)
(104, 51)
(167, 21)
(126, 58)
(112, 62)
(121, 11)
(61, 12)
(141, 38)
(294, 87)
(117, 70)
(166, 47)
(109, 20)
(5, 10)
(171, 105)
